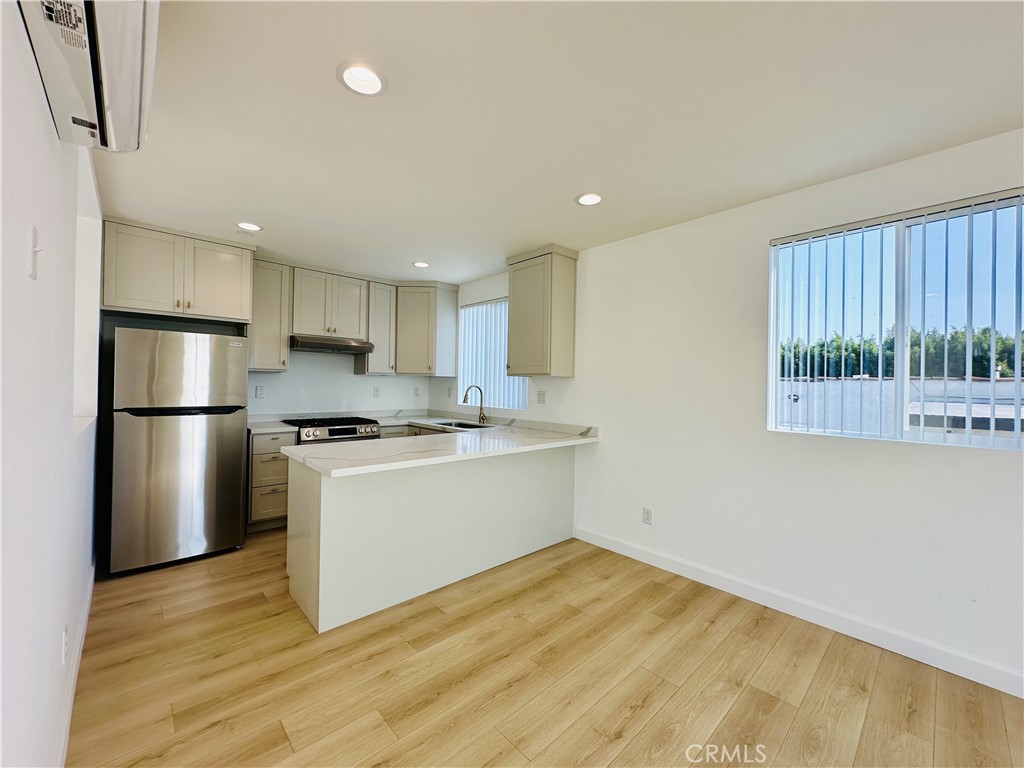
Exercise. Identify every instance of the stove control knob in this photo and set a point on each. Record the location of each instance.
(307, 433)
(316, 433)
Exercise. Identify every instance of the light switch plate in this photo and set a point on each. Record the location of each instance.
(32, 267)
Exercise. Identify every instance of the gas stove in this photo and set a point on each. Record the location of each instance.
(334, 429)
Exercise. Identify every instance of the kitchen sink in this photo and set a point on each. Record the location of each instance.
(463, 424)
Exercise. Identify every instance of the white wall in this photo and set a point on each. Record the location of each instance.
(321, 383)
(913, 547)
(48, 442)
(889, 541)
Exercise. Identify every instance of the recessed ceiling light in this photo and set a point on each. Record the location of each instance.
(249, 227)
(360, 79)
(588, 199)
(420, 264)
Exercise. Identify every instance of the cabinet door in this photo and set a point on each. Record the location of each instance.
(218, 280)
(271, 312)
(143, 269)
(382, 329)
(269, 469)
(312, 308)
(529, 317)
(415, 331)
(268, 503)
(350, 296)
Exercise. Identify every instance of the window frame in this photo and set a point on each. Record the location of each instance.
(902, 431)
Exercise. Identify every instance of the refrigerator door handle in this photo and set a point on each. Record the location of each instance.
(218, 410)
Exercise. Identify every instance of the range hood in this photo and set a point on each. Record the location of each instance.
(96, 60)
(330, 344)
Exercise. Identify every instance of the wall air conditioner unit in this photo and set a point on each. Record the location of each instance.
(96, 60)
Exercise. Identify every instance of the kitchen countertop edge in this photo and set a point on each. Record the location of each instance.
(446, 448)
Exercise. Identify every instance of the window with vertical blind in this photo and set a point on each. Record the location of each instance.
(906, 327)
(483, 356)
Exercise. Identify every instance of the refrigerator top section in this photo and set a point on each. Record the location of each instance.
(168, 369)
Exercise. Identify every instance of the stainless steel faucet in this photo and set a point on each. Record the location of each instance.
(482, 419)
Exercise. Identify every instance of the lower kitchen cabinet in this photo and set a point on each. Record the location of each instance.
(268, 479)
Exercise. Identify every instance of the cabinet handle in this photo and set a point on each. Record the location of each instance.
(429, 368)
(177, 302)
(284, 362)
(271, 490)
(273, 458)
(188, 305)
(275, 438)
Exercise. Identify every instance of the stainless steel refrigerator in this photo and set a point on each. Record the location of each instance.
(179, 427)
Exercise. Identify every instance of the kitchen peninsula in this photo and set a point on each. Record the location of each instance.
(374, 523)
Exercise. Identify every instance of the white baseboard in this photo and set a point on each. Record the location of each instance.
(922, 649)
(75, 654)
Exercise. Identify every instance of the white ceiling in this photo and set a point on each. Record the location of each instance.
(497, 115)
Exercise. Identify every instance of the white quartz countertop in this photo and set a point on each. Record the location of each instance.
(270, 427)
(360, 457)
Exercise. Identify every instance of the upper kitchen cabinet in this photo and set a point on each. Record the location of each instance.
(271, 315)
(426, 336)
(329, 305)
(381, 332)
(542, 312)
(152, 271)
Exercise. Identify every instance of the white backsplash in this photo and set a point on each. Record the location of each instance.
(316, 383)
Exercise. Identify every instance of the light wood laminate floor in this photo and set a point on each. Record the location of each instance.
(570, 656)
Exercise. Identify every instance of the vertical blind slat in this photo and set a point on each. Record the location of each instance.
(1018, 268)
(483, 355)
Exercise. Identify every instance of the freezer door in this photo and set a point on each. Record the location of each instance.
(177, 487)
(169, 369)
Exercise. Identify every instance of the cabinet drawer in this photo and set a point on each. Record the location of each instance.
(269, 469)
(268, 503)
(272, 443)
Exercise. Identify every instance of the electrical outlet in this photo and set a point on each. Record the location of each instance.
(415, 391)
(542, 397)
(64, 648)
(648, 516)
(376, 391)
(259, 391)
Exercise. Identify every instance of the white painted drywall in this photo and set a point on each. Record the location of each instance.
(321, 383)
(914, 547)
(47, 451)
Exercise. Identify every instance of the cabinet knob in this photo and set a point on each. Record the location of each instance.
(284, 362)
(188, 305)
(177, 302)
